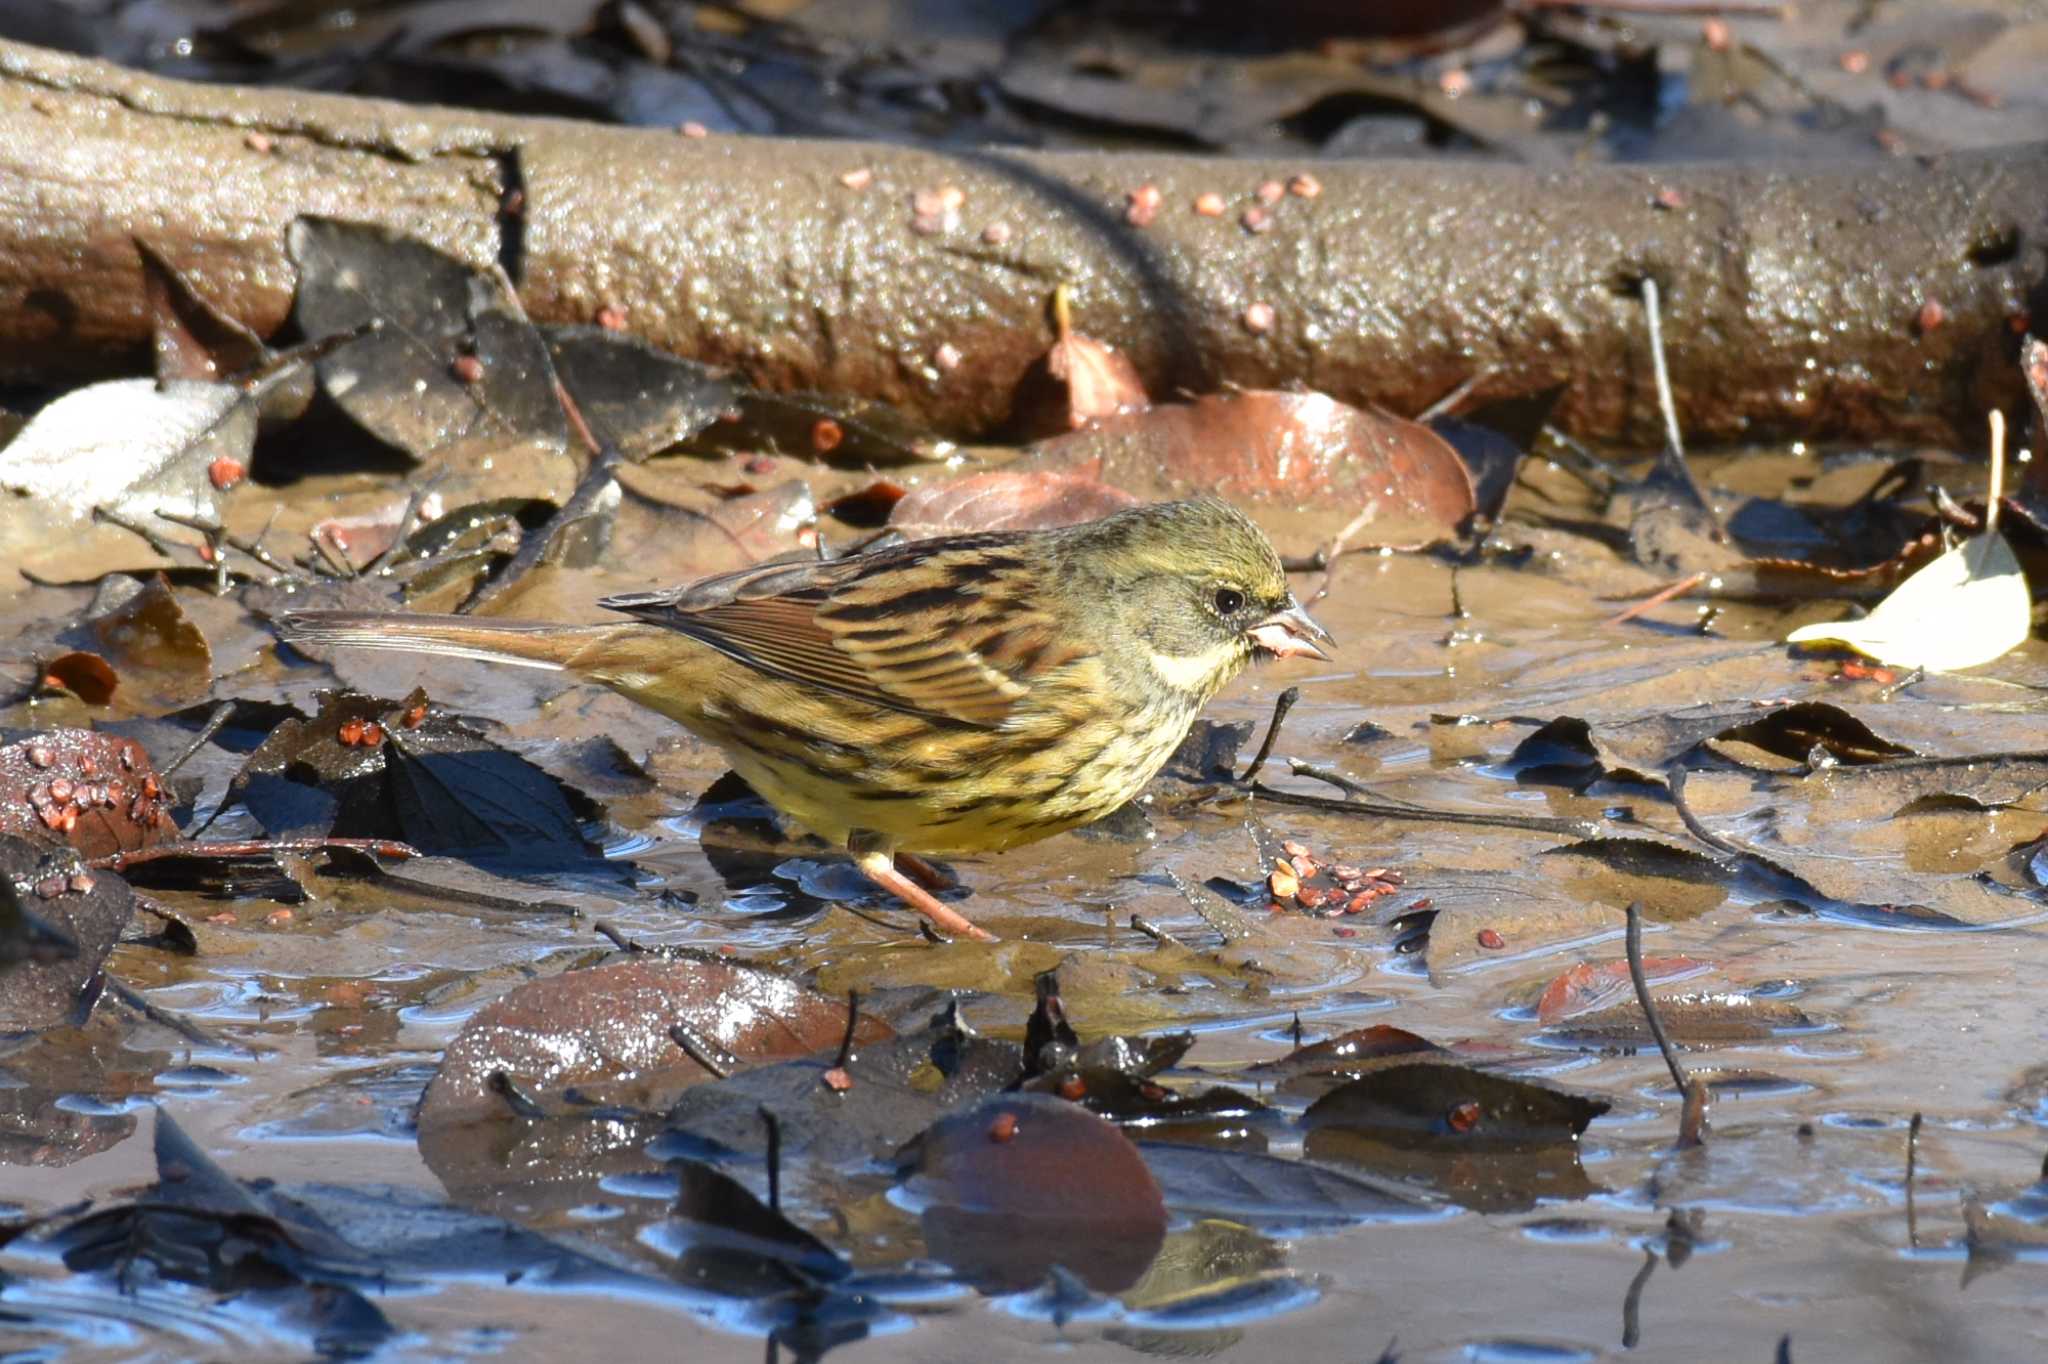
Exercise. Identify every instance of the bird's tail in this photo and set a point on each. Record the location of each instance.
(526, 643)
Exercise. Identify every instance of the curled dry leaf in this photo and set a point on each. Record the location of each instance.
(1325, 462)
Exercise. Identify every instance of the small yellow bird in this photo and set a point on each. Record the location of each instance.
(963, 694)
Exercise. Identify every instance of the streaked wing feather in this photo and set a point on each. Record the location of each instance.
(943, 629)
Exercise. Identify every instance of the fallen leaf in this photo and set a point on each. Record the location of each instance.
(1006, 499)
(1595, 985)
(1967, 608)
(1318, 464)
(1021, 1183)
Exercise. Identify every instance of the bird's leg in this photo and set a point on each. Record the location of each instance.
(880, 868)
(923, 872)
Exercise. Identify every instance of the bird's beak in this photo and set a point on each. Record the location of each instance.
(1288, 633)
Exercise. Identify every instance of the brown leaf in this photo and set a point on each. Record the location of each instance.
(1080, 380)
(1595, 985)
(193, 339)
(1326, 463)
(609, 1026)
(1006, 499)
(1028, 1181)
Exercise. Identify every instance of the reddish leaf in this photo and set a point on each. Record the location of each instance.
(94, 792)
(1027, 1182)
(1080, 380)
(1297, 451)
(85, 675)
(1006, 499)
(193, 339)
(1595, 985)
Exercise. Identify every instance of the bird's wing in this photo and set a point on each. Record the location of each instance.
(952, 630)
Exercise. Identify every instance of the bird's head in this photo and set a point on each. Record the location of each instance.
(1199, 589)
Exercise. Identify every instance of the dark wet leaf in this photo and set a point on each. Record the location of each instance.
(728, 1218)
(90, 908)
(636, 399)
(1324, 463)
(1671, 881)
(1690, 1018)
(1210, 753)
(824, 426)
(1491, 457)
(192, 339)
(1442, 1106)
(200, 1225)
(1279, 1197)
(896, 1088)
(1006, 499)
(1793, 732)
(1022, 1183)
(1345, 1054)
(367, 768)
(26, 936)
(404, 382)
(94, 792)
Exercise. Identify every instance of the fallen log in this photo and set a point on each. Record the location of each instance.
(1879, 301)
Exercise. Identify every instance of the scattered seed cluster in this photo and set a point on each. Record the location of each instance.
(1327, 890)
(61, 801)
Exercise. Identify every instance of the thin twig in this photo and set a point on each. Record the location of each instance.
(1912, 1164)
(1649, 1006)
(606, 930)
(1664, 402)
(1374, 809)
(220, 716)
(774, 1126)
(1457, 395)
(177, 1023)
(1657, 598)
(244, 850)
(852, 1022)
(1282, 703)
(218, 535)
(703, 1051)
(1156, 933)
(505, 1087)
(1632, 1302)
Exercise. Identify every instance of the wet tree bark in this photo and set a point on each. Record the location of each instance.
(1872, 302)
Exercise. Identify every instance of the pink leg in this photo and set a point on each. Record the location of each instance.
(880, 868)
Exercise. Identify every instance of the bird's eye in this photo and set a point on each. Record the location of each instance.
(1229, 601)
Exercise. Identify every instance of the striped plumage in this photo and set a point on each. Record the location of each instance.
(954, 695)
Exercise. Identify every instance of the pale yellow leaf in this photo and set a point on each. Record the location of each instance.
(1967, 607)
